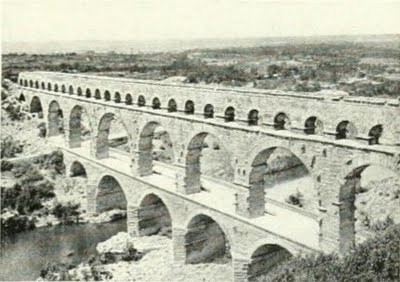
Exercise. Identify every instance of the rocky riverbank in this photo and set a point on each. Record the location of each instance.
(150, 259)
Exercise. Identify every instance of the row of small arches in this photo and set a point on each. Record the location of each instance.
(344, 130)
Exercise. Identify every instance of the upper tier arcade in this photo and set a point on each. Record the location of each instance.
(334, 116)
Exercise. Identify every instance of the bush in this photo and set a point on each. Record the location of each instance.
(10, 147)
(377, 259)
(15, 224)
(66, 213)
(296, 199)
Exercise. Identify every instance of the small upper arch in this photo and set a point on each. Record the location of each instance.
(189, 107)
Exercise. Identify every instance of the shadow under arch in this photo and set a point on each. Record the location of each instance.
(154, 216)
(77, 170)
(79, 126)
(36, 106)
(359, 180)
(265, 258)
(206, 241)
(194, 156)
(55, 119)
(109, 195)
(153, 131)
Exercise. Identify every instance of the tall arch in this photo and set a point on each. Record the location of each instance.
(110, 195)
(79, 127)
(26, 83)
(147, 153)
(313, 125)
(189, 107)
(55, 119)
(43, 85)
(357, 183)
(346, 130)
(31, 83)
(49, 86)
(102, 150)
(196, 154)
(77, 170)
(154, 217)
(252, 117)
(172, 106)
(37, 84)
(264, 259)
(206, 242)
(79, 91)
(209, 111)
(63, 89)
(36, 106)
(283, 177)
(70, 90)
(55, 87)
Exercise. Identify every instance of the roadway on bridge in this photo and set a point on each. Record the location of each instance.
(278, 219)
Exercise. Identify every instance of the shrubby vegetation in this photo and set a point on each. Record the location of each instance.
(67, 213)
(377, 259)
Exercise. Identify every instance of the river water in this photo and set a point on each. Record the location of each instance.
(22, 257)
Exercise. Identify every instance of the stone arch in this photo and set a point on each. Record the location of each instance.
(252, 117)
(97, 94)
(281, 121)
(79, 91)
(375, 133)
(154, 216)
(88, 93)
(55, 119)
(206, 241)
(128, 99)
(110, 195)
(156, 104)
(43, 85)
(189, 107)
(63, 88)
(70, 90)
(145, 160)
(141, 101)
(37, 84)
(117, 97)
(21, 82)
(77, 129)
(193, 169)
(346, 130)
(31, 83)
(277, 171)
(49, 86)
(77, 170)
(21, 97)
(209, 111)
(229, 114)
(56, 87)
(103, 131)
(107, 95)
(351, 185)
(313, 125)
(36, 106)
(265, 258)
(26, 83)
(172, 106)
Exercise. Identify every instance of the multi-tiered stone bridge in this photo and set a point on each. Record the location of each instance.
(335, 137)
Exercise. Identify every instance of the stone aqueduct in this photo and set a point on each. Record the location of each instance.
(335, 137)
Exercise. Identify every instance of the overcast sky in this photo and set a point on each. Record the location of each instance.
(48, 20)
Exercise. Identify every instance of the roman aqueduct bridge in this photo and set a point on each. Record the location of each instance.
(335, 137)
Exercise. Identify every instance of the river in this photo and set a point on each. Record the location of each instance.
(22, 257)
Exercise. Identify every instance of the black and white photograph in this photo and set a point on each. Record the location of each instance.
(200, 140)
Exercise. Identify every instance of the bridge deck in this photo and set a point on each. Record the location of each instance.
(277, 219)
